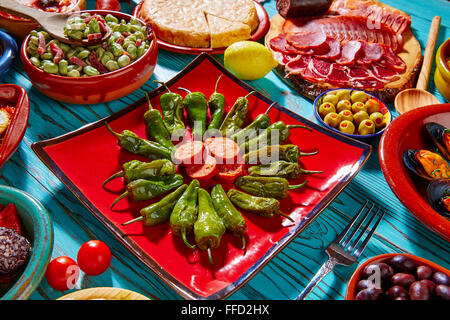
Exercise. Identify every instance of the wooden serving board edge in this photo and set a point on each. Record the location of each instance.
(411, 54)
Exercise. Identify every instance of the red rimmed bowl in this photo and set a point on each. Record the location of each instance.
(383, 109)
(406, 132)
(15, 96)
(20, 27)
(357, 275)
(94, 89)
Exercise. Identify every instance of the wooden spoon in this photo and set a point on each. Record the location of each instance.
(51, 22)
(419, 97)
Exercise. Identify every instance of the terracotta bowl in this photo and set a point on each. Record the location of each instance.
(95, 89)
(20, 27)
(356, 276)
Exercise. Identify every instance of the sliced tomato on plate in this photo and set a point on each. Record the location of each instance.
(189, 153)
(225, 150)
(203, 172)
(227, 173)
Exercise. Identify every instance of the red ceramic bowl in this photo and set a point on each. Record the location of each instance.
(356, 276)
(406, 132)
(20, 27)
(13, 95)
(95, 89)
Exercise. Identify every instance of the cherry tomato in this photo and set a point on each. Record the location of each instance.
(62, 273)
(94, 257)
(113, 5)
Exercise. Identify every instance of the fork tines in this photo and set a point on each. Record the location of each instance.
(360, 229)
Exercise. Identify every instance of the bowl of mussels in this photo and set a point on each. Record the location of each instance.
(415, 160)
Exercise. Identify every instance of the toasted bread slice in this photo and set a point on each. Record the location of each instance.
(224, 32)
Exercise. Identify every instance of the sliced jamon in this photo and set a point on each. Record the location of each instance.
(333, 52)
(358, 73)
(370, 53)
(391, 61)
(306, 40)
(369, 83)
(338, 75)
(349, 52)
(283, 58)
(346, 28)
(298, 64)
(376, 13)
(321, 67)
(383, 74)
(280, 44)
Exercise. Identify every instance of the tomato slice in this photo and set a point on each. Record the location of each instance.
(227, 173)
(203, 172)
(189, 153)
(224, 149)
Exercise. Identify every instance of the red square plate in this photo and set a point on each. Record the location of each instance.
(84, 158)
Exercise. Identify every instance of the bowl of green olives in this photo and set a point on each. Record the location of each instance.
(351, 112)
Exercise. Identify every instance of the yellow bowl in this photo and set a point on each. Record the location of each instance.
(104, 293)
(442, 74)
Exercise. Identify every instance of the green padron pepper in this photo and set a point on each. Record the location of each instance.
(196, 105)
(160, 211)
(231, 217)
(265, 207)
(216, 104)
(184, 213)
(156, 127)
(279, 168)
(261, 122)
(209, 228)
(268, 154)
(236, 117)
(132, 143)
(154, 170)
(139, 190)
(172, 109)
(272, 187)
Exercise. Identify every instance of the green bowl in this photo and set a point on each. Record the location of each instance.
(38, 229)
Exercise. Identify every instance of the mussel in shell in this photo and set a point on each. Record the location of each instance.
(440, 136)
(426, 164)
(438, 193)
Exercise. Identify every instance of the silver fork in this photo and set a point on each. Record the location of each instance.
(345, 250)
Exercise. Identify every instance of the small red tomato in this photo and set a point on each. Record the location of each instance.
(113, 5)
(94, 257)
(62, 273)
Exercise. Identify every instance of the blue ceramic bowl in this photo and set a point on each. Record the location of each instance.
(384, 110)
(8, 51)
(37, 228)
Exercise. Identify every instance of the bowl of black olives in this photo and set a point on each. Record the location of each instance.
(396, 276)
(354, 113)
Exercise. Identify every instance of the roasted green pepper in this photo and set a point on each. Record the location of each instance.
(265, 207)
(235, 118)
(139, 190)
(209, 228)
(172, 109)
(156, 127)
(278, 131)
(267, 154)
(154, 170)
(196, 105)
(279, 168)
(272, 187)
(132, 143)
(231, 217)
(261, 122)
(160, 211)
(216, 104)
(184, 213)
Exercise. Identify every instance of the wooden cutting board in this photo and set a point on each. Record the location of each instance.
(411, 55)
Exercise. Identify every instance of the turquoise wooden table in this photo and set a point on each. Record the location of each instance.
(289, 272)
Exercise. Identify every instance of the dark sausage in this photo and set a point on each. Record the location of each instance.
(302, 8)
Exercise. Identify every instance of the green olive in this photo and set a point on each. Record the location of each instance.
(372, 106)
(366, 127)
(332, 119)
(359, 96)
(343, 105)
(331, 98)
(347, 127)
(326, 108)
(358, 106)
(378, 119)
(360, 117)
(346, 115)
(343, 94)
